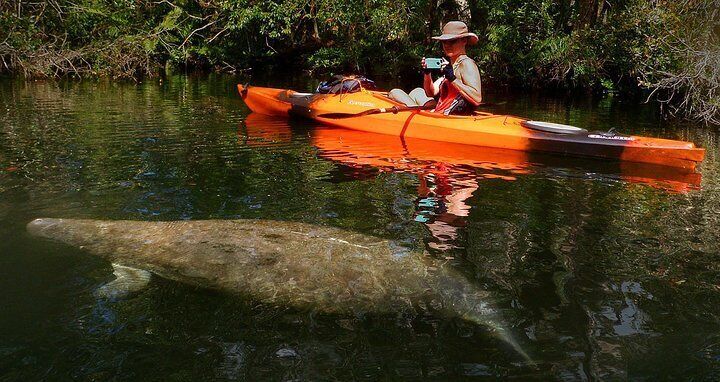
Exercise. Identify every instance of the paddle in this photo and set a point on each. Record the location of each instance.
(394, 110)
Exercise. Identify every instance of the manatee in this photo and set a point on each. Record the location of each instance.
(293, 264)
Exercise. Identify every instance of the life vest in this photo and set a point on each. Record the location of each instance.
(450, 101)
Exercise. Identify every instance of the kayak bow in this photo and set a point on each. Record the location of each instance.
(479, 129)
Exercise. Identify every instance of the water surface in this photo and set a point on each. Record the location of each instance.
(603, 271)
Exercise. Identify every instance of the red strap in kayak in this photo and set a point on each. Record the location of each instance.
(407, 123)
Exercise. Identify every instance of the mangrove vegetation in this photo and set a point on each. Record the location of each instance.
(668, 51)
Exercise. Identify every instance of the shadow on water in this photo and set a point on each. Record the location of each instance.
(602, 272)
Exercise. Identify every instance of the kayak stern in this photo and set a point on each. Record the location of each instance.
(266, 101)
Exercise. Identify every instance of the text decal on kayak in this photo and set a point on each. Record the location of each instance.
(366, 104)
(613, 137)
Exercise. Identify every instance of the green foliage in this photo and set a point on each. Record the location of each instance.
(327, 58)
(572, 44)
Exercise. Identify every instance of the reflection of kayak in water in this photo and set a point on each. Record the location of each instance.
(263, 130)
(417, 155)
(368, 111)
(362, 150)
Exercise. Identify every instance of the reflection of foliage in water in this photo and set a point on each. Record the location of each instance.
(166, 151)
(609, 278)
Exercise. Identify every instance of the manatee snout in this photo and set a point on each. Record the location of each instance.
(39, 227)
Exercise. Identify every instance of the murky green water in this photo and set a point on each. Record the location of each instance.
(602, 272)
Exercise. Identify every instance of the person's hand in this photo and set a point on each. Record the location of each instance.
(448, 72)
(424, 66)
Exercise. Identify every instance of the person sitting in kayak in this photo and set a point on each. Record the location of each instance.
(458, 91)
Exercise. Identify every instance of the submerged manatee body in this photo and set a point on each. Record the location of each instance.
(283, 263)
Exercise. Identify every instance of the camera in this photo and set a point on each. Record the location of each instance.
(435, 63)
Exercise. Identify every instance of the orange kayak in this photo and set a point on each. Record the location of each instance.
(365, 154)
(479, 129)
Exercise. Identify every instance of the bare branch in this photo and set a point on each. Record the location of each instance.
(197, 30)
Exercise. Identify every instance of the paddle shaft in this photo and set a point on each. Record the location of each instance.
(393, 109)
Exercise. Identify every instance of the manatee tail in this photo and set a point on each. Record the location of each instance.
(502, 333)
(470, 303)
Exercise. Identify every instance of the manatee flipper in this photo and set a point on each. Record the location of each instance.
(127, 280)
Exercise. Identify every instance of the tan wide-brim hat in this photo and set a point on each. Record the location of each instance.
(454, 30)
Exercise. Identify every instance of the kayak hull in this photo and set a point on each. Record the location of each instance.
(363, 155)
(480, 129)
